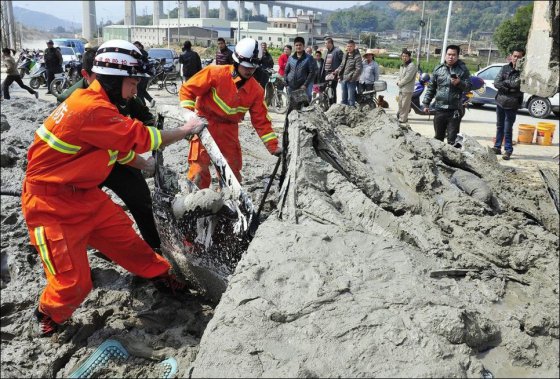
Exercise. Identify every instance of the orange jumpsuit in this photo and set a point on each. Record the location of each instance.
(215, 96)
(73, 152)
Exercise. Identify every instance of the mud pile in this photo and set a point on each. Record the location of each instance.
(376, 264)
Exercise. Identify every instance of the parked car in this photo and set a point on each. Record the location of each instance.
(538, 107)
(168, 57)
(68, 54)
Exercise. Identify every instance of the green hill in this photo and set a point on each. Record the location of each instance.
(378, 16)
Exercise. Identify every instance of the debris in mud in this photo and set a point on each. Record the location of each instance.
(339, 280)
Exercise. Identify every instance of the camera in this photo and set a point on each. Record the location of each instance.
(454, 76)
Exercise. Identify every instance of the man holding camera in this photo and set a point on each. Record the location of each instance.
(449, 80)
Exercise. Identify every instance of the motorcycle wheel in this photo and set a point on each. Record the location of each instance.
(57, 87)
(280, 102)
(35, 83)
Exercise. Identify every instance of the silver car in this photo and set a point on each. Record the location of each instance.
(537, 106)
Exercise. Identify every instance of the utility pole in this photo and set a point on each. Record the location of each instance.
(168, 28)
(470, 39)
(422, 23)
(489, 53)
(446, 32)
(179, 3)
(429, 39)
(238, 20)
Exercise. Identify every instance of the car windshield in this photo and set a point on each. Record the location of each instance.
(160, 53)
(490, 73)
(66, 50)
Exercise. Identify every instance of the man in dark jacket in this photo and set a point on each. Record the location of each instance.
(333, 59)
(449, 80)
(300, 69)
(143, 94)
(126, 181)
(508, 100)
(190, 60)
(53, 63)
(266, 61)
(223, 55)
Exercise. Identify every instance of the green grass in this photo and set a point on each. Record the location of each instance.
(394, 63)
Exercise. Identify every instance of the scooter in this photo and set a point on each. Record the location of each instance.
(25, 62)
(38, 76)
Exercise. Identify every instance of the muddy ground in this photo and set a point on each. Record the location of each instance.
(385, 254)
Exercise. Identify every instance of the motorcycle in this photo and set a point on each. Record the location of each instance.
(424, 79)
(206, 61)
(66, 79)
(38, 76)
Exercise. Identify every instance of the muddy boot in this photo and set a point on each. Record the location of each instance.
(506, 156)
(47, 326)
(168, 284)
(497, 151)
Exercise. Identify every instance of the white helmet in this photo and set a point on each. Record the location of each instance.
(248, 53)
(119, 58)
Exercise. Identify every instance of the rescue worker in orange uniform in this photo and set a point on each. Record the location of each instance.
(222, 95)
(65, 210)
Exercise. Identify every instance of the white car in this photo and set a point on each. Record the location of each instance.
(68, 54)
(537, 106)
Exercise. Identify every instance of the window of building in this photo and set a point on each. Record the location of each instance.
(260, 38)
(270, 38)
(279, 39)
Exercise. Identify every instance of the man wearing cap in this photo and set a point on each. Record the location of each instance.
(223, 94)
(53, 62)
(370, 71)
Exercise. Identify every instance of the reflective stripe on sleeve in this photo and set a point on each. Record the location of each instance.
(155, 137)
(268, 137)
(56, 143)
(187, 103)
(112, 156)
(43, 248)
(130, 156)
(224, 107)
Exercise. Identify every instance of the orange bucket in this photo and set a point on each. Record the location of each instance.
(549, 124)
(525, 133)
(544, 135)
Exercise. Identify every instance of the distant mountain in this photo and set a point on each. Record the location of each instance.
(466, 16)
(43, 21)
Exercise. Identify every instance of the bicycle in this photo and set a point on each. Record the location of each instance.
(276, 98)
(163, 78)
(323, 93)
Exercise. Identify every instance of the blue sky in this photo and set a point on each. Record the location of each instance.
(114, 10)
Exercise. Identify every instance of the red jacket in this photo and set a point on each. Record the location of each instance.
(282, 61)
(81, 140)
(214, 94)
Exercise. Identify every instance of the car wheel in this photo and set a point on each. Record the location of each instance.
(539, 107)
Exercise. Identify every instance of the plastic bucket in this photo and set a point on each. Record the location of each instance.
(544, 135)
(525, 133)
(551, 125)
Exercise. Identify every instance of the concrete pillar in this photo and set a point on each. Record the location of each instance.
(242, 6)
(130, 12)
(183, 9)
(270, 10)
(11, 24)
(223, 10)
(89, 21)
(204, 9)
(282, 11)
(158, 11)
(256, 9)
